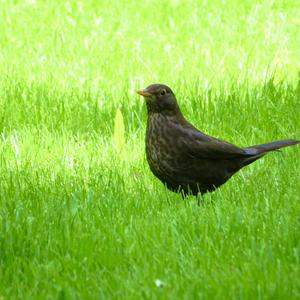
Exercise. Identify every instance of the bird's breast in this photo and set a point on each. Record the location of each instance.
(159, 148)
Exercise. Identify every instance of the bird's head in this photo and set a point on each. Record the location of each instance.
(160, 99)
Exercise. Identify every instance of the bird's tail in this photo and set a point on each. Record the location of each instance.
(263, 148)
(257, 151)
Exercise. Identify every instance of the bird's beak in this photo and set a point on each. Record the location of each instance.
(144, 93)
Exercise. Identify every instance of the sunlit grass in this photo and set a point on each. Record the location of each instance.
(81, 215)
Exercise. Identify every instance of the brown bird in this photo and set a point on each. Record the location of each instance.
(185, 159)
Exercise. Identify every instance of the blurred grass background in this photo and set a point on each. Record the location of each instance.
(80, 219)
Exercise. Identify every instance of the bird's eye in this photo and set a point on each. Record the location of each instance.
(163, 92)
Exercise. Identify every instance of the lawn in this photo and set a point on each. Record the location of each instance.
(81, 215)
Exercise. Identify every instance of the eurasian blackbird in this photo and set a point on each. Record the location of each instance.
(185, 159)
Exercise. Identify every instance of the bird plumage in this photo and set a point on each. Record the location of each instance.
(184, 158)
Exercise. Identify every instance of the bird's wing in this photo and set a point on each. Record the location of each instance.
(214, 149)
(197, 144)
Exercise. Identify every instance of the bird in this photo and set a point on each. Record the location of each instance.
(185, 159)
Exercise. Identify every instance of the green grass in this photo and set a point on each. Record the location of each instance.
(81, 220)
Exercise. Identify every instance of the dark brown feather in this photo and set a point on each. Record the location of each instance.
(185, 159)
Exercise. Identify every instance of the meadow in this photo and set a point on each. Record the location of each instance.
(81, 215)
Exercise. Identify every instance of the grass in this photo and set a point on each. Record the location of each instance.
(80, 219)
